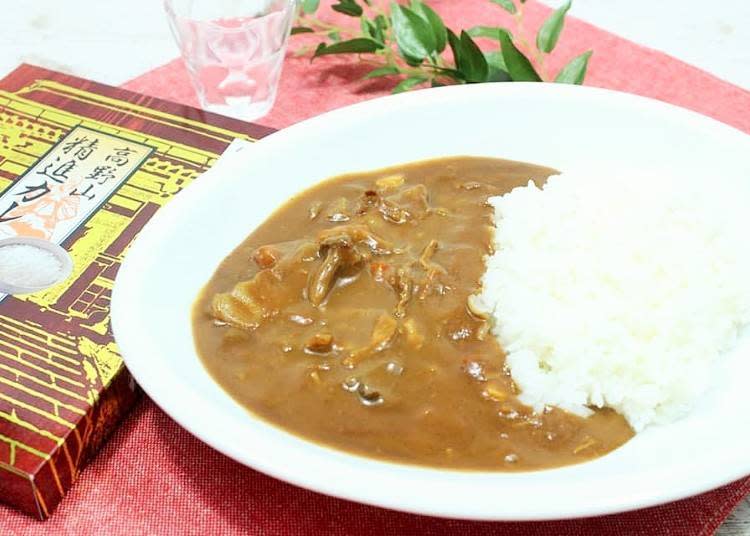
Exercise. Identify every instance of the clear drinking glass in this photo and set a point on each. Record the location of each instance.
(234, 50)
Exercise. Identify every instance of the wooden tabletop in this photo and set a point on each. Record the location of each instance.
(738, 524)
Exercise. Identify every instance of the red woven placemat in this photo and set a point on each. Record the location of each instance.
(308, 89)
(154, 478)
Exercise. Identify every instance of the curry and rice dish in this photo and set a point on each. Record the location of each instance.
(350, 318)
(475, 313)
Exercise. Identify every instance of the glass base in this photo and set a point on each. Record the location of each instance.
(242, 108)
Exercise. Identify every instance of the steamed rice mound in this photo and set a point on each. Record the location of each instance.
(619, 292)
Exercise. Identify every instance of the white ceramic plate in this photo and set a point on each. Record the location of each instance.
(560, 126)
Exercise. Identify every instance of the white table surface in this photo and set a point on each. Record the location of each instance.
(112, 41)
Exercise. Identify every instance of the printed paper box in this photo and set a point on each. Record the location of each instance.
(85, 166)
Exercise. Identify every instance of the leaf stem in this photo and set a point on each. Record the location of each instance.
(323, 28)
(531, 51)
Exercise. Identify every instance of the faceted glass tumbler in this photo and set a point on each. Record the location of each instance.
(234, 51)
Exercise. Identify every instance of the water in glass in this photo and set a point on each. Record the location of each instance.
(234, 51)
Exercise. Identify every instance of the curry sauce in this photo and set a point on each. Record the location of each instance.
(346, 318)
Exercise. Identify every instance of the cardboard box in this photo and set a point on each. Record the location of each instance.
(85, 166)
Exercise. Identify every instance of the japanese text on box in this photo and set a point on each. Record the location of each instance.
(68, 183)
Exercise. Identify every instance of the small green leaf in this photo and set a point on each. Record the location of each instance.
(409, 83)
(381, 24)
(413, 34)
(357, 45)
(310, 6)
(435, 22)
(498, 72)
(334, 36)
(455, 43)
(371, 29)
(519, 66)
(486, 31)
(381, 71)
(473, 63)
(348, 7)
(301, 29)
(549, 33)
(507, 5)
(575, 71)
(470, 60)
(366, 26)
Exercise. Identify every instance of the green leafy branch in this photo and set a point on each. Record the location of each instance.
(412, 41)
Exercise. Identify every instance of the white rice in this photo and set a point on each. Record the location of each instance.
(619, 292)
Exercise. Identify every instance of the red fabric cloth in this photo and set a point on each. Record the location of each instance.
(308, 89)
(154, 478)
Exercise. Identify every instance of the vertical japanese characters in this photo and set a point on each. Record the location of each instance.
(74, 178)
